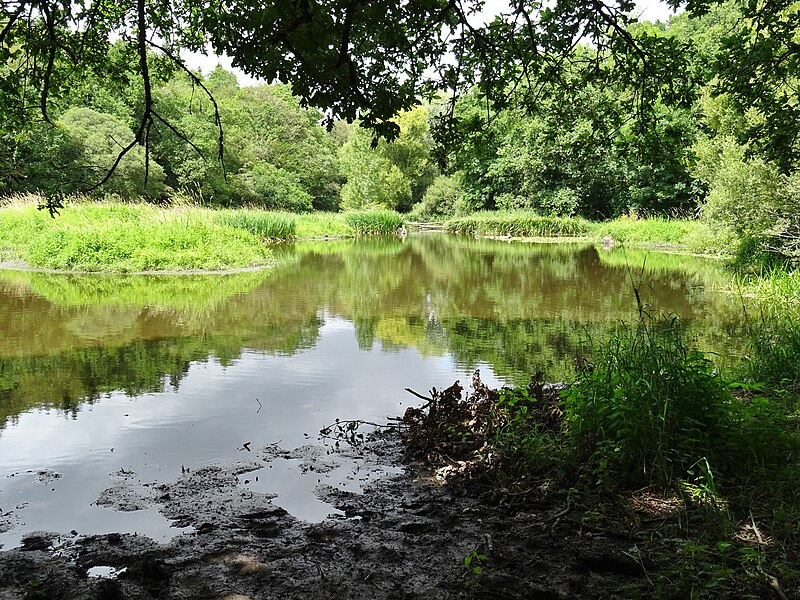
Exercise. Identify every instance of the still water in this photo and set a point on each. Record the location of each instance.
(109, 378)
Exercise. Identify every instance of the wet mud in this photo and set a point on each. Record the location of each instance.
(404, 536)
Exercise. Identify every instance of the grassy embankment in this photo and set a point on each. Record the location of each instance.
(690, 234)
(126, 237)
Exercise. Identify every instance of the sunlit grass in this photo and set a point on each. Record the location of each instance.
(321, 225)
(261, 223)
(125, 237)
(774, 285)
(517, 224)
(655, 230)
(374, 222)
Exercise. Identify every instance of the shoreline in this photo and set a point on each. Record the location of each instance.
(405, 536)
(14, 265)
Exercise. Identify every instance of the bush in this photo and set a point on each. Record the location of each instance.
(749, 196)
(274, 188)
(441, 199)
(380, 185)
(562, 202)
(100, 138)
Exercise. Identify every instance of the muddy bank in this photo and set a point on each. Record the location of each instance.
(404, 537)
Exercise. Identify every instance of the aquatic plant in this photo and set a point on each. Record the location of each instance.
(262, 223)
(374, 222)
(517, 224)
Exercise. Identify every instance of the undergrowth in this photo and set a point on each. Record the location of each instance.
(648, 415)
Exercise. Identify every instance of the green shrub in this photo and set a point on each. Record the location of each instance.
(711, 239)
(98, 138)
(273, 188)
(752, 256)
(440, 200)
(560, 202)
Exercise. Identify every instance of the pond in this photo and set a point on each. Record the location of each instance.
(106, 379)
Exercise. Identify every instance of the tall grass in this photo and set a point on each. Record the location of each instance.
(322, 225)
(650, 407)
(374, 222)
(654, 230)
(264, 224)
(777, 286)
(517, 224)
(120, 237)
(773, 351)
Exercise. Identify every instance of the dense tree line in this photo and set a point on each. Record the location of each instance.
(698, 116)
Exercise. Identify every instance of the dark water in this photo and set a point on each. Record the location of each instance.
(107, 378)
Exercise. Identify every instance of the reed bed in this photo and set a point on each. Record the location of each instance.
(264, 224)
(125, 237)
(517, 224)
(374, 222)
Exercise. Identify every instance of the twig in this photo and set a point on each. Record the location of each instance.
(776, 587)
(420, 396)
(756, 531)
(560, 513)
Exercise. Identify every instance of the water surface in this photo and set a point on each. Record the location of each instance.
(106, 379)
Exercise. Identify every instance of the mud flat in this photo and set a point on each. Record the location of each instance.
(405, 536)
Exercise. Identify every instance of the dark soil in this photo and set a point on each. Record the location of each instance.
(406, 536)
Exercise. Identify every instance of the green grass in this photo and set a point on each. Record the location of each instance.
(132, 237)
(321, 225)
(649, 413)
(263, 224)
(655, 230)
(777, 286)
(517, 224)
(686, 234)
(374, 222)
(652, 410)
(120, 237)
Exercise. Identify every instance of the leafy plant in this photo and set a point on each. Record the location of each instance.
(649, 407)
(474, 565)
